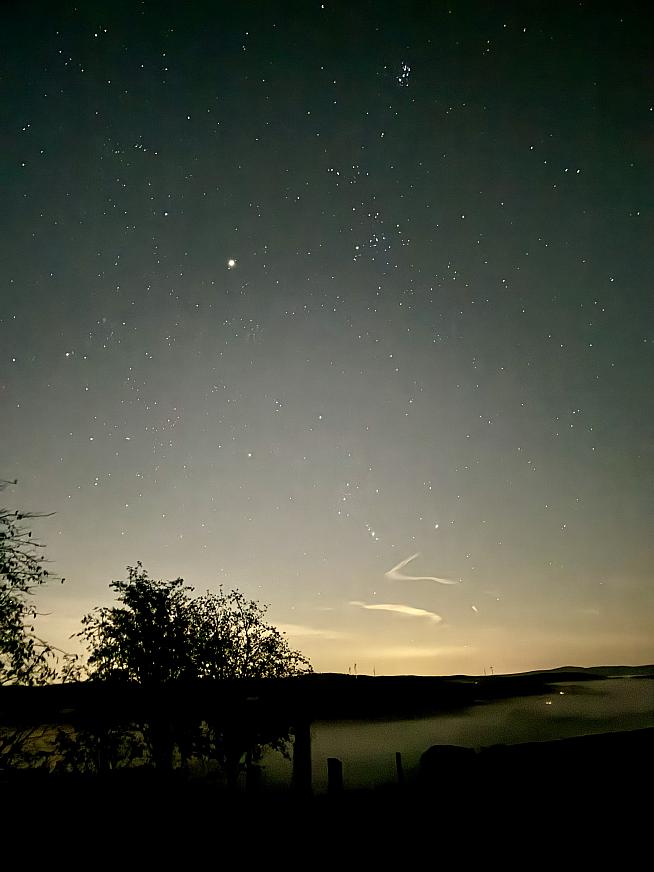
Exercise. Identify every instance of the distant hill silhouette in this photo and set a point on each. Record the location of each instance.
(603, 671)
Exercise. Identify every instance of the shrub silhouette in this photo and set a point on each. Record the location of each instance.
(160, 635)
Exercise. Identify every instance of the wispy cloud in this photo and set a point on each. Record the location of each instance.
(400, 608)
(409, 652)
(316, 632)
(395, 574)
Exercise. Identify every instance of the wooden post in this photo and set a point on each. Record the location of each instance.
(302, 757)
(334, 776)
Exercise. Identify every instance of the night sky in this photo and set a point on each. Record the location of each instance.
(292, 292)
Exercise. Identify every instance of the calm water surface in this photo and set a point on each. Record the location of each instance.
(367, 748)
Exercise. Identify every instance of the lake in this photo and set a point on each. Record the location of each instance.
(367, 748)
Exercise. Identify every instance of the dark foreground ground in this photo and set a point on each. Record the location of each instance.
(585, 801)
(595, 790)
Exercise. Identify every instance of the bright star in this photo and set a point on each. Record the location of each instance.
(231, 263)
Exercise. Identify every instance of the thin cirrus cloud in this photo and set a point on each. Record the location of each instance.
(396, 574)
(410, 652)
(400, 608)
(315, 632)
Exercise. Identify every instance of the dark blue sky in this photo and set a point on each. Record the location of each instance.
(293, 292)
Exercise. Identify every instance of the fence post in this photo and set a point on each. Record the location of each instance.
(334, 776)
(399, 768)
(302, 757)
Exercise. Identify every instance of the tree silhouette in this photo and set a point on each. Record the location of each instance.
(233, 640)
(145, 640)
(24, 657)
(160, 635)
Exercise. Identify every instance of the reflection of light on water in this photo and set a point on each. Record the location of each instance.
(367, 748)
(549, 701)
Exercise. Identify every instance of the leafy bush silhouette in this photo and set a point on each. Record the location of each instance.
(160, 636)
